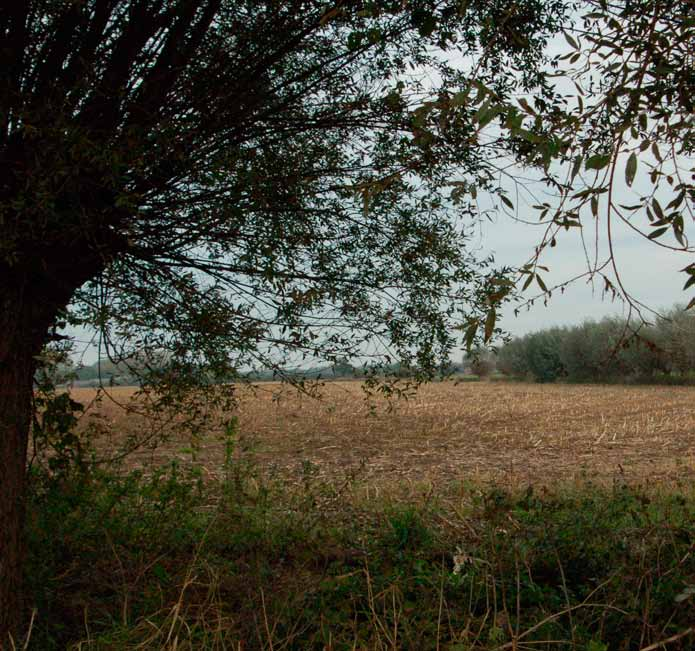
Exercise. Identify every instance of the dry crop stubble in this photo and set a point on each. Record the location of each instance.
(504, 432)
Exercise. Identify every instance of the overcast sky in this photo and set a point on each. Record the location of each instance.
(650, 273)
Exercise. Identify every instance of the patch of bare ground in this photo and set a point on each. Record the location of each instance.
(447, 432)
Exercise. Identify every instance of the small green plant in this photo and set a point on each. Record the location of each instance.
(57, 444)
(56, 440)
(408, 531)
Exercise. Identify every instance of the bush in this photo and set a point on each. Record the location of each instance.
(512, 359)
(543, 354)
(481, 362)
(126, 561)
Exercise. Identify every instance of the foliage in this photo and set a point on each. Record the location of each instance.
(481, 362)
(162, 561)
(622, 133)
(543, 358)
(607, 350)
(511, 358)
(244, 184)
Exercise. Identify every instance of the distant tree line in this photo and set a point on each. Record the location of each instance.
(131, 371)
(593, 351)
(606, 350)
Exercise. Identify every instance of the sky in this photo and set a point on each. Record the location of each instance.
(648, 272)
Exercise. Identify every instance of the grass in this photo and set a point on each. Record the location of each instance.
(344, 525)
(169, 561)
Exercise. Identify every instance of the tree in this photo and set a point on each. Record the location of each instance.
(618, 148)
(590, 350)
(481, 362)
(239, 182)
(608, 350)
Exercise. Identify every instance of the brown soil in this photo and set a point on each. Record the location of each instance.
(503, 432)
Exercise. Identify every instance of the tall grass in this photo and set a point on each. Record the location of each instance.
(166, 560)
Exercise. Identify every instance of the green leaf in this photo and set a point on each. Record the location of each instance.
(570, 40)
(507, 202)
(488, 115)
(677, 201)
(529, 136)
(656, 152)
(597, 161)
(460, 99)
(631, 168)
(470, 333)
(541, 284)
(678, 227)
(161, 573)
(428, 25)
(657, 233)
(657, 208)
(482, 111)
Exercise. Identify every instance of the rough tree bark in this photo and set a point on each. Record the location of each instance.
(22, 331)
(30, 303)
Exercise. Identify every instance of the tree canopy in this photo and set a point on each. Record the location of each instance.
(238, 182)
(616, 143)
(250, 177)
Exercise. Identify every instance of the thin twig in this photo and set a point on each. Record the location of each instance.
(668, 640)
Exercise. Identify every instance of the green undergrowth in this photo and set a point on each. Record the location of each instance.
(168, 560)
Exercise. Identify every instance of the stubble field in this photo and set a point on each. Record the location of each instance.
(480, 516)
(485, 431)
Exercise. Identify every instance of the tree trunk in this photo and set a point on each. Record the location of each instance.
(22, 334)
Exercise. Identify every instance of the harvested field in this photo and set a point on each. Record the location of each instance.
(504, 432)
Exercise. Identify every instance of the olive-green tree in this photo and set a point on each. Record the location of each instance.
(234, 183)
